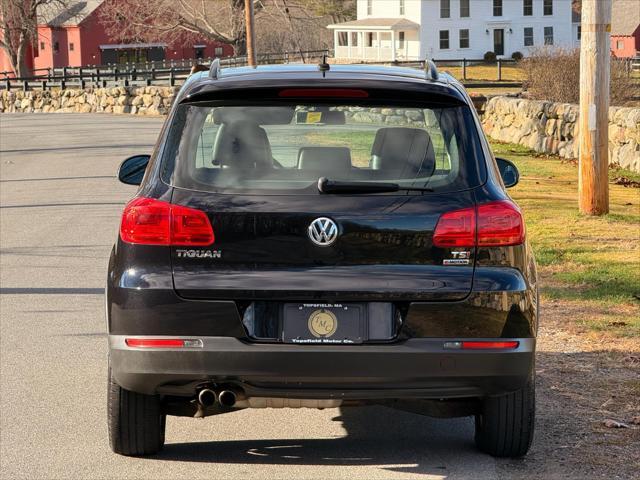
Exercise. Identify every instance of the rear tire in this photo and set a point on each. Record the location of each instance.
(505, 424)
(136, 421)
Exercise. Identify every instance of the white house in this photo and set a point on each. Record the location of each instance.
(452, 29)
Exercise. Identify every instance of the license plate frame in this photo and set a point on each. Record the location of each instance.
(324, 323)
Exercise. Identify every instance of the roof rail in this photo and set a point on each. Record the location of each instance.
(214, 71)
(430, 70)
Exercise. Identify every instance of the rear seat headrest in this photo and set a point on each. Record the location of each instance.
(243, 145)
(325, 159)
(403, 152)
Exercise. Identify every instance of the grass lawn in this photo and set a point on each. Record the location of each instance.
(493, 91)
(590, 263)
(487, 72)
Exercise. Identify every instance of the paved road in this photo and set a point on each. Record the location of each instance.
(59, 212)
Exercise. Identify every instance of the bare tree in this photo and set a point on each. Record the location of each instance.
(19, 28)
(337, 10)
(223, 20)
(298, 25)
(170, 20)
(553, 74)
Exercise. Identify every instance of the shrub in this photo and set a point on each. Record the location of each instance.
(517, 56)
(490, 57)
(553, 74)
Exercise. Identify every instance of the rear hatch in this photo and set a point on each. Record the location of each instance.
(263, 250)
(254, 170)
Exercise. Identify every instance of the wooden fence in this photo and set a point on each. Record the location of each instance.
(161, 73)
(171, 73)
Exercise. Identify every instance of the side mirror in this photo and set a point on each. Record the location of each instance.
(508, 172)
(132, 169)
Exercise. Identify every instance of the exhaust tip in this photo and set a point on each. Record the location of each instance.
(206, 397)
(227, 398)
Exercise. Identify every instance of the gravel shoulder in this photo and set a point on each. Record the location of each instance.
(582, 381)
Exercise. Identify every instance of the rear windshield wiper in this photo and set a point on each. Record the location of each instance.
(332, 186)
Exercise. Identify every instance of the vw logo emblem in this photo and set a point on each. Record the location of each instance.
(323, 231)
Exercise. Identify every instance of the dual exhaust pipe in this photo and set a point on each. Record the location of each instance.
(226, 397)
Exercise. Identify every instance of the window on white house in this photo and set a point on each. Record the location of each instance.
(342, 39)
(579, 32)
(464, 8)
(497, 8)
(354, 39)
(369, 39)
(445, 8)
(547, 8)
(527, 8)
(548, 35)
(401, 7)
(528, 36)
(464, 38)
(444, 39)
(401, 40)
(369, 7)
(620, 45)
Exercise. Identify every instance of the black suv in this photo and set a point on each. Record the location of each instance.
(321, 236)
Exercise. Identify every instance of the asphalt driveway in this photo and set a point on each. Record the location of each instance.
(59, 212)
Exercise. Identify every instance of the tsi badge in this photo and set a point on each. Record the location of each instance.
(460, 257)
(182, 253)
(322, 323)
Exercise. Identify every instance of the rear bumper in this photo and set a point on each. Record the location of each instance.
(415, 368)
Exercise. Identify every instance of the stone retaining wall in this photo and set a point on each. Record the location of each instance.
(553, 128)
(542, 126)
(133, 100)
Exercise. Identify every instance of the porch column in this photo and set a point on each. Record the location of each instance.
(335, 43)
(379, 46)
(393, 46)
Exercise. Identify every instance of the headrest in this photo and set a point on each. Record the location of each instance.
(404, 152)
(242, 145)
(325, 159)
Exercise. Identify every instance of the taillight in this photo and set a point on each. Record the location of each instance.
(147, 221)
(323, 93)
(456, 229)
(499, 224)
(494, 224)
(481, 345)
(163, 343)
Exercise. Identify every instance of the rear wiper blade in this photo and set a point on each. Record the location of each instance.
(333, 186)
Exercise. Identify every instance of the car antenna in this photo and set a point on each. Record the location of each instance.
(323, 66)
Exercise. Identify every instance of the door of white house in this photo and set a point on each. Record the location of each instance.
(498, 41)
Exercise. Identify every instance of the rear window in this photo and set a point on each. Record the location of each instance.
(287, 148)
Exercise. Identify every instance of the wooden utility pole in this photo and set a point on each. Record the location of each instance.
(251, 37)
(593, 182)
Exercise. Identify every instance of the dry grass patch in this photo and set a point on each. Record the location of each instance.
(594, 261)
(488, 72)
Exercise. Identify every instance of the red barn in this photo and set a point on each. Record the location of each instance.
(625, 28)
(75, 38)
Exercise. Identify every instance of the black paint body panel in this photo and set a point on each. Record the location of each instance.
(385, 253)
